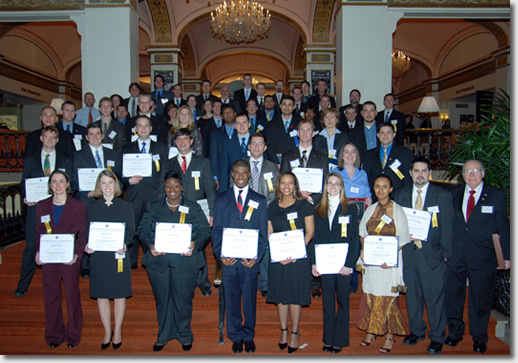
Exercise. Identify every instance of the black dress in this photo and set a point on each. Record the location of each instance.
(105, 281)
(289, 284)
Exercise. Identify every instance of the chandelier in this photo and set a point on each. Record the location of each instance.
(400, 64)
(240, 22)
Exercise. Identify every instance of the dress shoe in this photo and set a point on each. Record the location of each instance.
(116, 345)
(293, 349)
(315, 293)
(134, 266)
(479, 347)
(85, 274)
(250, 346)
(237, 347)
(186, 347)
(106, 345)
(19, 292)
(434, 348)
(412, 339)
(206, 292)
(452, 342)
(283, 345)
(264, 293)
(53, 345)
(327, 348)
(158, 347)
(71, 345)
(335, 349)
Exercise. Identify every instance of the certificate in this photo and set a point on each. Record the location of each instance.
(106, 236)
(204, 204)
(380, 249)
(310, 179)
(57, 248)
(330, 257)
(37, 189)
(418, 223)
(240, 243)
(87, 178)
(137, 164)
(173, 237)
(287, 244)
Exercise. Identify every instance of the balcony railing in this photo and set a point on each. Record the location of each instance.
(11, 215)
(435, 144)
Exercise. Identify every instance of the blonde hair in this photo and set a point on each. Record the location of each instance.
(110, 174)
(176, 122)
(341, 156)
(322, 207)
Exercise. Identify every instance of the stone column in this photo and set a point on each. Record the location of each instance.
(164, 61)
(320, 63)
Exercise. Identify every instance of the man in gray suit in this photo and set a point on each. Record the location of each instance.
(424, 262)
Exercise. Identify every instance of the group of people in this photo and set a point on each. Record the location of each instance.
(223, 166)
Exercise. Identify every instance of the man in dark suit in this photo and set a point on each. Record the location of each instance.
(279, 94)
(354, 99)
(114, 132)
(226, 100)
(389, 159)
(246, 93)
(132, 101)
(306, 91)
(321, 90)
(198, 185)
(261, 89)
(424, 262)
(269, 108)
(38, 165)
(140, 191)
(159, 128)
(364, 134)
(479, 211)
(205, 95)
(209, 126)
(240, 207)
(177, 99)
(281, 132)
(257, 120)
(161, 95)
(394, 117)
(300, 105)
(78, 132)
(348, 119)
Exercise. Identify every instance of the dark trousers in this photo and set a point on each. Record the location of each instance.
(28, 264)
(263, 270)
(202, 280)
(335, 289)
(55, 331)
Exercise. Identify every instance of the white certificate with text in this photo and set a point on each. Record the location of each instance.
(137, 164)
(37, 189)
(204, 204)
(310, 179)
(287, 244)
(173, 237)
(418, 223)
(57, 248)
(87, 178)
(240, 243)
(380, 249)
(330, 257)
(106, 236)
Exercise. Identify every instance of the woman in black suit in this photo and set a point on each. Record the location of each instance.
(110, 273)
(173, 276)
(330, 140)
(332, 213)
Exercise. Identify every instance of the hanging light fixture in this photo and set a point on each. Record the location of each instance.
(400, 64)
(240, 22)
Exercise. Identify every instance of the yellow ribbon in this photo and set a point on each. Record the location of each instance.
(270, 185)
(398, 173)
(395, 127)
(292, 224)
(380, 226)
(109, 168)
(47, 225)
(418, 244)
(344, 229)
(120, 265)
(182, 218)
(435, 224)
(157, 164)
(196, 183)
(249, 213)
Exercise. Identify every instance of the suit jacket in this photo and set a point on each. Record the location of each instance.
(207, 128)
(315, 101)
(160, 129)
(65, 145)
(357, 135)
(397, 119)
(199, 100)
(235, 104)
(438, 247)
(164, 98)
(226, 215)
(372, 166)
(473, 241)
(267, 167)
(302, 108)
(239, 96)
(116, 134)
(217, 141)
(343, 119)
(76, 129)
(206, 184)
(126, 102)
(277, 139)
(315, 160)
(232, 151)
(320, 143)
(259, 125)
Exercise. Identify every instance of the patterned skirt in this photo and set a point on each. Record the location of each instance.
(381, 315)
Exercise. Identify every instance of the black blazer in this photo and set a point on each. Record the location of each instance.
(357, 135)
(320, 143)
(207, 128)
(239, 96)
(199, 100)
(277, 139)
(115, 135)
(160, 129)
(397, 119)
(65, 145)
(315, 101)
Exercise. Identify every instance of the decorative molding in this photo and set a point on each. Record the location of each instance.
(189, 61)
(7, 27)
(467, 74)
(322, 20)
(499, 34)
(163, 58)
(161, 23)
(449, 3)
(320, 58)
(10, 5)
(300, 59)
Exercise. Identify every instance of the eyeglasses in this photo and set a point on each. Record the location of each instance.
(254, 144)
(472, 171)
(334, 184)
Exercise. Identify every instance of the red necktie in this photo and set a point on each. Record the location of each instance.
(184, 165)
(240, 202)
(90, 117)
(471, 204)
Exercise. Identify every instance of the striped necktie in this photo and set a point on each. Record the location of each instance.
(46, 165)
(98, 161)
(240, 203)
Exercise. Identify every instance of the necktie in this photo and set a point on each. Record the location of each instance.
(105, 127)
(157, 96)
(90, 117)
(177, 102)
(255, 176)
(286, 125)
(134, 107)
(247, 94)
(419, 201)
(269, 115)
(304, 158)
(240, 203)
(46, 165)
(184, 164)
(471, 204)
(68, 129)
(218, 123)
(252, 122)
(243, 145)
(260, 101)
(98, 161)
(387, 116)
(384, 158)
(143, 151)
(205, 97)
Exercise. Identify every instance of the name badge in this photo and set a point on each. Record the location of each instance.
(108, 146)
(248, 153)
(112, 134)
(164, 100)
(396, 164)
(156, 157)
(268, 175)
(65, 170)
(133, 130)
(355, 190)
(434, 209)
(293, 215)
(80, 137)
(253, 204)
(332, 153)
(173, 151)
(393, 122)
(344, 219)
(45, 219)
(260, 127)
(293, 133)
(183, 209)
(295, 163)
(153, 137)
(195, 174)
(77, 144)
(487, 209)
(110, 163)
(134, 138)
(386, 219)
(120, 256)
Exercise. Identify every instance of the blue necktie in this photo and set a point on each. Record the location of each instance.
(247, 94)
(286, 125)
(143, 151)
(98, 159)
(68, 129)
(243, 145)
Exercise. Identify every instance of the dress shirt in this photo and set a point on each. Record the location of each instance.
(230, 131)
(370, 136)
(132, 106)
(83, 113)
(382, 152)
(101, 154)
(385, 117)
(52, 159)
(358, 186)
(260, 100)
(225, 100)
(351, 124)
(424, 190)
(330, 139)
(259, 164)
(301, 149)
(147, 142)
(65, 126)
(178, 102)
(243, 195)
(478, 192)
(218, 121)
(240, 138)
(279, 97)
(284, 123)
(188, 158)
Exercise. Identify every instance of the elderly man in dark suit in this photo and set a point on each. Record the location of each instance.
(424, 262)
(240, 207)
(479, 212)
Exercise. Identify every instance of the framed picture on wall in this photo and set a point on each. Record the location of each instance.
(316, 75)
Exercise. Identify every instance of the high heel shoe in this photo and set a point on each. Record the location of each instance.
(117, 345)
(283, 345)
(384, 350)
(106, 345)
(365, 343)
(291, 349)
